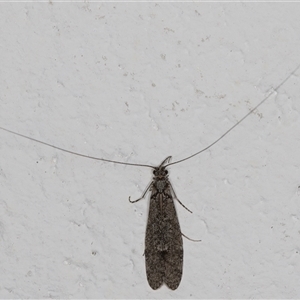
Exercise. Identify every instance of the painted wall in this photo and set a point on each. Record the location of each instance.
(136, 82)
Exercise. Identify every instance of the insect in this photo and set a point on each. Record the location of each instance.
(163, 242)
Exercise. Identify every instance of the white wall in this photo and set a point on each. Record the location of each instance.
(136, 82)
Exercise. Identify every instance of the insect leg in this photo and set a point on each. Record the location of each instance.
(190, 238)
(175, 197)
(143, 196)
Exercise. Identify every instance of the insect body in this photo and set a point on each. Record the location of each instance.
(163, 242)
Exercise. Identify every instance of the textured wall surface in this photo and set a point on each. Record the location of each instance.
(136, 82)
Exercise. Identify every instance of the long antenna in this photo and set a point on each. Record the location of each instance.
(71, 152)
(241, 120)
(149, 166)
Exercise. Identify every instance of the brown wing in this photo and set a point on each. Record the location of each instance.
(174, 256)
(163, 244)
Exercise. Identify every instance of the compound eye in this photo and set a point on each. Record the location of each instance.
(154, 172)
(166, 172)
